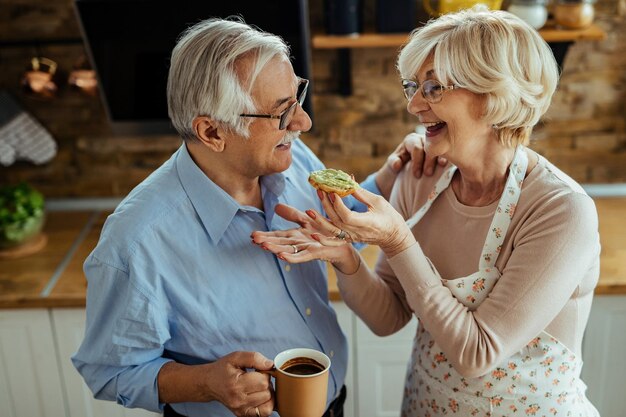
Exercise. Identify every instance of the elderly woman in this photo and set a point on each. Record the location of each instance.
(497, 254)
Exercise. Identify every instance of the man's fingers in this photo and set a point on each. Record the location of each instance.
(309, 254)
(292, 214)
(418, 156)
(429, 165)
(284, 247)
(262, 400)
(251, 360)
(256, 382)
(259, 236)
(395, 162)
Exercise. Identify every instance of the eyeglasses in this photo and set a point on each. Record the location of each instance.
(432, 90)
(286, 116)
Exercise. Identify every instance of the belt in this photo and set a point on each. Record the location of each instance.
(335, 409)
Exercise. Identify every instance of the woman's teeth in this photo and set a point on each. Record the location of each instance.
(431, 127)
(431, 124)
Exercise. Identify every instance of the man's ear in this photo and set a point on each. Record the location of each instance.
(208, 133)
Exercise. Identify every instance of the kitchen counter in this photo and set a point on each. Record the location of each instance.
(53, 277)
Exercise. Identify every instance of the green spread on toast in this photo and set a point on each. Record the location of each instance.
(333, 178)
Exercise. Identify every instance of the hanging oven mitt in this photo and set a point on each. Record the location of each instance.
(21, 136)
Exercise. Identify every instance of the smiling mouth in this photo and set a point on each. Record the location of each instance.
(434, 127)
(289, 137)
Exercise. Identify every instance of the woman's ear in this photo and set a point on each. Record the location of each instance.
(208, 133)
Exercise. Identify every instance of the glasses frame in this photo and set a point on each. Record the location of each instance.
(283, 116)
(419, 87)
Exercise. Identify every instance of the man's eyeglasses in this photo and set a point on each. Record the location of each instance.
(432, 90)
(286, 116)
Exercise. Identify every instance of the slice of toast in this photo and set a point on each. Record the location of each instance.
(333, 181)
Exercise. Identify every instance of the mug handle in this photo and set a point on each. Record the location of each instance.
(271, 372)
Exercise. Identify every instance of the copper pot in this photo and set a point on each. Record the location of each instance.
(39, 79)
(84, 80)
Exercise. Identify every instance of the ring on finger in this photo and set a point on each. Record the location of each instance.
(258, 413)
(341, 234)
(295, 249)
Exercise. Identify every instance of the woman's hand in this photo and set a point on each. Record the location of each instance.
(381, 225)
(410, 149)
(308, 242)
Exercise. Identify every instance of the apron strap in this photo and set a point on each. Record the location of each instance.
(505, 210)
(440, 186)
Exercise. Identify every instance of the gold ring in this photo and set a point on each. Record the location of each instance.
(258, 413)
(341, 234)
(295, 249)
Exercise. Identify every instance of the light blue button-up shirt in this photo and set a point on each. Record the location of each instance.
(176, 277)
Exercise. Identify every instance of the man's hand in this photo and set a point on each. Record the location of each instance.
(239, 390)
(411, 149)
(225, 380)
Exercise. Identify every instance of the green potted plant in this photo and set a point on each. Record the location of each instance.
(22, 214)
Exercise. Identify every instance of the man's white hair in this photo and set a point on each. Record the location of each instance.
(203, 78)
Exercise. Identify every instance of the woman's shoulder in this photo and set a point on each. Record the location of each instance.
(549, 189)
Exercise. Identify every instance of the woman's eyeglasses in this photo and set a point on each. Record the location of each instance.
(286, 116)
(432, 90)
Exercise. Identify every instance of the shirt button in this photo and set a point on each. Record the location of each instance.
(331, 353)
(308, 311)
(287, 267)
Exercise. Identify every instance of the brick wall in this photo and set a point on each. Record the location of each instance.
(584, 132)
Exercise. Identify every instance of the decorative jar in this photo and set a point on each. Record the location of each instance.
(573, 14)
(533, 12)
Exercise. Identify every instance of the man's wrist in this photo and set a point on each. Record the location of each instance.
(184, 383)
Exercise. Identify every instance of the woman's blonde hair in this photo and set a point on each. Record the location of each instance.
(493, 53)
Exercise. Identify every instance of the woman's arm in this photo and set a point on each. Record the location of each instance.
(553, 251)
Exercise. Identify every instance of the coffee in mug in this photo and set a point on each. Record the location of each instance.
(302, 366)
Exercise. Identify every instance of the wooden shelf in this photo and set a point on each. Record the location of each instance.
(552, 34)
(365, 40)
(384, 40)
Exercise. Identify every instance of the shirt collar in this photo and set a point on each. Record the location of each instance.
(215, 207)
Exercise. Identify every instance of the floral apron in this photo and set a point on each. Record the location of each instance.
(542, 379)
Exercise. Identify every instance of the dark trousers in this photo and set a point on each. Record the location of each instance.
(335, 409)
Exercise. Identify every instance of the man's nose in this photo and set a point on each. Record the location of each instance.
(300, 120)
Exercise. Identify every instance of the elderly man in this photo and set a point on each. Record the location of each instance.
(181, 305)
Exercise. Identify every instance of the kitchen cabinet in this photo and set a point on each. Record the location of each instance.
(603, 354)
(377, 366)
(30, 384)
(380, 364)
(37, 377)
(346, 319)
(69, 327)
